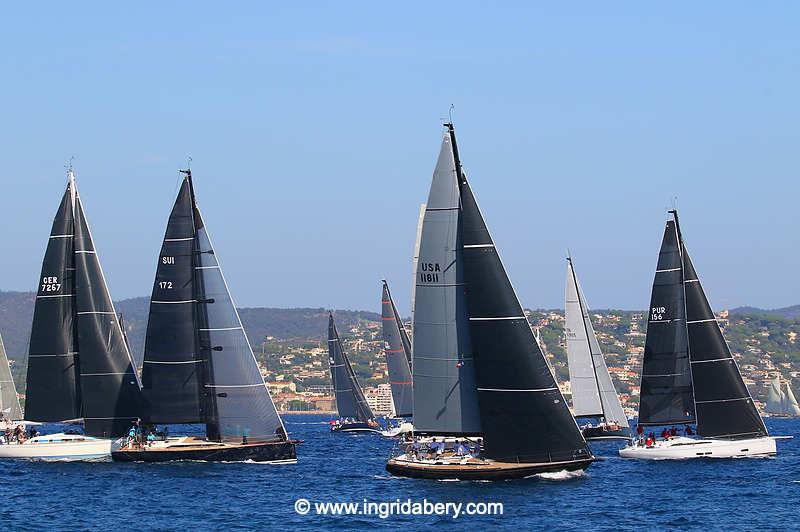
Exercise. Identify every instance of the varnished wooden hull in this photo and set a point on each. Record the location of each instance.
(480, 469)
(277, 452)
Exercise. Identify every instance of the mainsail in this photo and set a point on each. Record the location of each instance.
(9, 402)
(415, 261)
(593, 392)
(443, 367)
(666, 388)
(53, 389)
(199, 366)
(397, 349)
(79, 365)
(523, 415)
(350, 400)
(682, 329)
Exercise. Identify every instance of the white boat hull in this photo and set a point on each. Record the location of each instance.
(682, 448)
(59, 447)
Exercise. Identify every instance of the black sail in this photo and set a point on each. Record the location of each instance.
(523, 414)
(53, 392)
(666, 396)
(111, 393)
(350, 400)
(724, 407)
(171, 373)
(397, 350)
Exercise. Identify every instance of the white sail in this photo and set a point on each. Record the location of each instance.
(791, 402)
(415, 260)
(9, 402)
(775, 398)
(593, 392)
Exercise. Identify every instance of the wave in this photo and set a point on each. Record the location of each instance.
(561, 475)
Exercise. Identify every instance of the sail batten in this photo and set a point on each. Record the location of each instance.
(397, 351)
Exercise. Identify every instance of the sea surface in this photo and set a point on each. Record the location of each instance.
(743, 494)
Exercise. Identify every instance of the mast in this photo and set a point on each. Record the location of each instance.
(523, 415)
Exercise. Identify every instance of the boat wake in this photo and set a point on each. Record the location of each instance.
(561, 475)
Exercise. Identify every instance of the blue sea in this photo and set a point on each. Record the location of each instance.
(745, 494)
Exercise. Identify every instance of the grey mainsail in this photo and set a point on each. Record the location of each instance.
(523, 415)
(110, 388)
(350, 400)
(397, 350)
(9, 402)
(593, 392)
(443, 367)
(53, 388)
(199, 366)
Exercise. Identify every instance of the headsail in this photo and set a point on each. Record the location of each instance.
(666, 389)
(243, 405)
(397, 349)
(53, 390)
(443, 367)
(523, 415)
(9, 402)
(723, 404)
(592, 387)
(110, 388)
(350, 400)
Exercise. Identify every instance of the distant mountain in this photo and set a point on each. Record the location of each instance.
(792, 312)
(16, 313)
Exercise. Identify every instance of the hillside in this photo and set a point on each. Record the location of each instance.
(299, 324)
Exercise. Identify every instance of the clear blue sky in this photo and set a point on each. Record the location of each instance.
(314, 132)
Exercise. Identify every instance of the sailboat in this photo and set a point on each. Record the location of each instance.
(780, 403)
(355, 415)
(79, 366)
(688, 373)
(397, 348)
(199, 367)
(10, 409)
(593, 393)
(485, 403)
